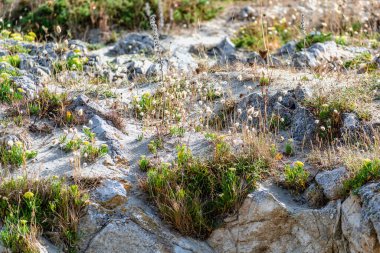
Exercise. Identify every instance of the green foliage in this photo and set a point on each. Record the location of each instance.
(76, 62)
(30, 207)
(251, 36)
(154, 145)
(15, 49)
(341, 40)
(363, 60)
(177, 131)
(369, 171)
(13, 60)
(15, 154)
(144, 163)
(289, 150)
(9, 93)
(310, 39)
(296, 176)
(74, 17)
(194, 195)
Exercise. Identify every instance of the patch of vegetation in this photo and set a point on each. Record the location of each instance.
(296, 176)
(312, 38)
(369, 171)
(9, 93)
(74, 17)
(49, 207)
(329, 109)
(15, 154)
(17, 49)
(194, 194)
(13, 60)
(72, 141)
(341, 40)
(364, 60)
(251, 36)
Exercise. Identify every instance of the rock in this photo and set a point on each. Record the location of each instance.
(351, 123)
(288, 49)
(314, 196)
(332, 182)
(304, 59)
(255, 58)
(25, 83)
(224, 51)
(358, 223)
(291, 229)
(303, 93)
(155, 69)
(141, 233)
(183, 61)
(247, 12)
(110, 194)
(303, 125)
(134, 43)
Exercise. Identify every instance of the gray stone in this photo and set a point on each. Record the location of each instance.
(247, 12)
(25, 83)
(183, 61)
(288, 49)
(110, 193)
(224, 51)
(314, 196)
(332, 182)
(266, 224)
(134, 43)
(303, 125)
(351, 122)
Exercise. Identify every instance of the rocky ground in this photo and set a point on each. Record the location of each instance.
(106, 83)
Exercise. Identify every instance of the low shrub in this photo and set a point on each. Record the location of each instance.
(369, 171)
(49, 207)
(194, 194)
(15, 154)
(312, 38)
(296, 176)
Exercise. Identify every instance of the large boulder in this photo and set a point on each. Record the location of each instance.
(267, 224)
(361, 220)
(134, 43)
(332, 182)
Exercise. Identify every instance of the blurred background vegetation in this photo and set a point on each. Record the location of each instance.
(77, 17)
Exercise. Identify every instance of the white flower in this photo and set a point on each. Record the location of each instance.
(336, 111)
(316, 121)
(251, 111)
(250, 118)
(237, 124)
(282, 119)
(65, 131)
(239, 111)
(44, 52)
(84, 164)
(85, 155)
(59, 30)
(90, 122)
(80, 112)
(323, 128)
(282, 138)
(10, 143)
(279, 99)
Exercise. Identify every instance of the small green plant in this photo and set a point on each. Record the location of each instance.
(264, 81)
(144, 163)
(363, 60)
(296, 176)
(76, 62)
(16, 49)
(289, 150)
(193, 194)
(369, 171)
(155, 145)
(144, 104)
(15, 154)
(13, 60)
(9, 93)
(49, 207)
(341, 40)
(177, 131)
(310, 39)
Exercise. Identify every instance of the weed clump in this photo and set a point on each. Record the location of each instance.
(15, 154)
(296, 176)
(313, 38)
(49, 207)
(369, 171)
(193, 194)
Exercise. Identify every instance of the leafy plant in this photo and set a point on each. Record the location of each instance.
(193, 194)
(369, 171)
(29, 208)
(15, 154)
(312, 38)
(296, 176)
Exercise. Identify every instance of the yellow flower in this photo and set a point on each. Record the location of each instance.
(299, 164)
(86, 143)
(32, 34)
(28, 195)
(20, 90)
(23, 222)
(366, 161)
(18, 143)
(278, 156)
